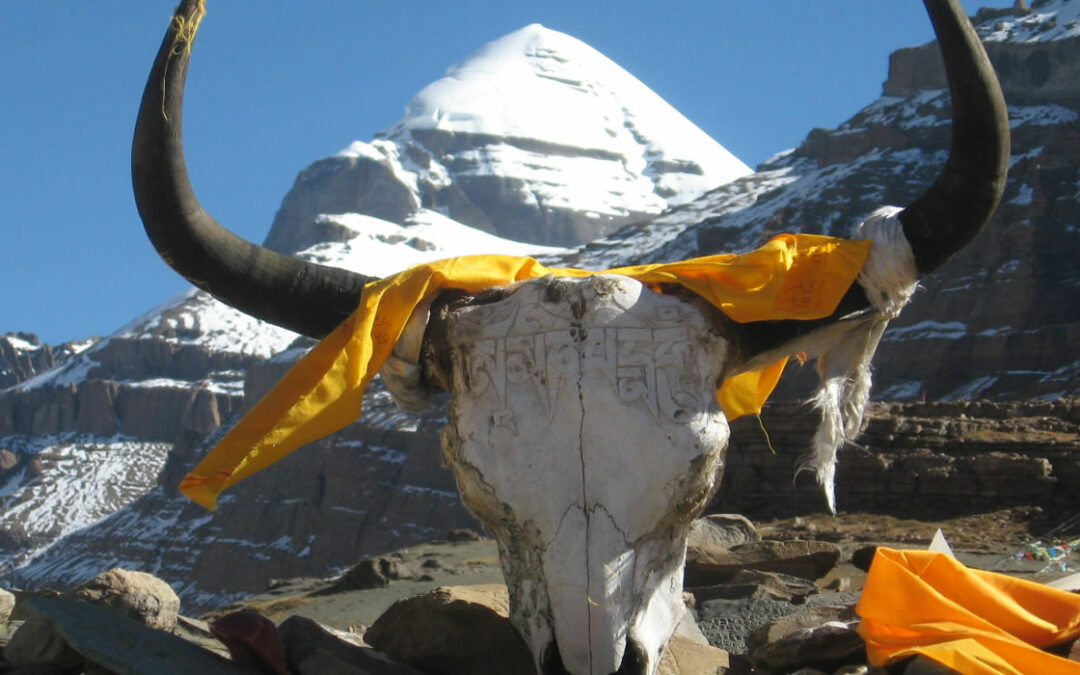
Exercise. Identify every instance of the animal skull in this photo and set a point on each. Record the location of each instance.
(584, 430)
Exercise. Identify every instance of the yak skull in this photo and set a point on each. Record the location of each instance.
(584, 432)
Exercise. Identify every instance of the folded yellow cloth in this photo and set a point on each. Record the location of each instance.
(790, 277)
(919, 602)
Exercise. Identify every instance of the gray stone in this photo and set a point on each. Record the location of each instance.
(37, 642)
(755, 583)
(921, 665)
(728, 622)
(807, 618)
(372, 573)
(7, 603)
(457, 629)
(109, 639)
(313, 649)
(828, 647)
(721, 530)
(806, 559)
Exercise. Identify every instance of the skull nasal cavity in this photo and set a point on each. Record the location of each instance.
(634, 662)
(635, 659)
(551, 662)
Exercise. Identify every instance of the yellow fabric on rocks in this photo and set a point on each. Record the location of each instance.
(790, 277)
(919, 602)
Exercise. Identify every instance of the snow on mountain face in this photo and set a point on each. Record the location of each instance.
(381, 248)
(537, 84)
(1046, 20)
(76, 481)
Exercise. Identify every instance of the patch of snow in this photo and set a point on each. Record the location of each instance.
(195, 317)
(1054, 20)
(927, 330)
(901, 391)
(420, 489)
(972, 389)
(1030, 154)
(21, 344)
(82, 479)
(1040, 115)
(69, 372)
(381, 248)
(908, 112)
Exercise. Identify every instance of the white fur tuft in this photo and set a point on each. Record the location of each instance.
(889, 279)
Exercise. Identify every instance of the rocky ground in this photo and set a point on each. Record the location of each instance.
(772, 597)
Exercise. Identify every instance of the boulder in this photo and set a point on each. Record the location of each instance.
(706, 566)
(721, 530)
(314, 649)
(7, 603)
(684, 656)
(755, 583)
(111, 642)
(253, 641)
(827, 647)
(455, 629)
(372, 573)
(139, 595)
(142, 597)
(807, 619)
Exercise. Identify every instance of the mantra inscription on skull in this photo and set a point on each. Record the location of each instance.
(651, 355)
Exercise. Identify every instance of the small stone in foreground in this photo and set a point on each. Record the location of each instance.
(707, 566)
(7, 603)
(456, 629)
(312, 649)
(827, 647)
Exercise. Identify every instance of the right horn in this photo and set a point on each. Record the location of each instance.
(966, 193)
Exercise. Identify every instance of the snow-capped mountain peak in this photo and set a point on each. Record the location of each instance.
(543, 85)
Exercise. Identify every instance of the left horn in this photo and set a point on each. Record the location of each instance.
(966, 193)
(301, 296)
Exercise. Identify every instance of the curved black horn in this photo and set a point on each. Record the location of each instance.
(965, 195)
(301, 296)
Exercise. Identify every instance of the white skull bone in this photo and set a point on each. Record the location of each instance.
(584, 432)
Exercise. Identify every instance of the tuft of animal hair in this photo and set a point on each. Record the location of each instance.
(889, 278)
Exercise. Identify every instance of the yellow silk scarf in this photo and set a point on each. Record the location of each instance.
(919, 602)
(790, 277)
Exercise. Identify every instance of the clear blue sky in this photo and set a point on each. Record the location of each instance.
(277, 84)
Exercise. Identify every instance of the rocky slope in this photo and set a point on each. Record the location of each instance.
(92, 448)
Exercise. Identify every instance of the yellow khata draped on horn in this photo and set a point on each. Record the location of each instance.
(791, 277)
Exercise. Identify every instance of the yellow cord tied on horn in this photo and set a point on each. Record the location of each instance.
(791, 277)
(185, 28)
